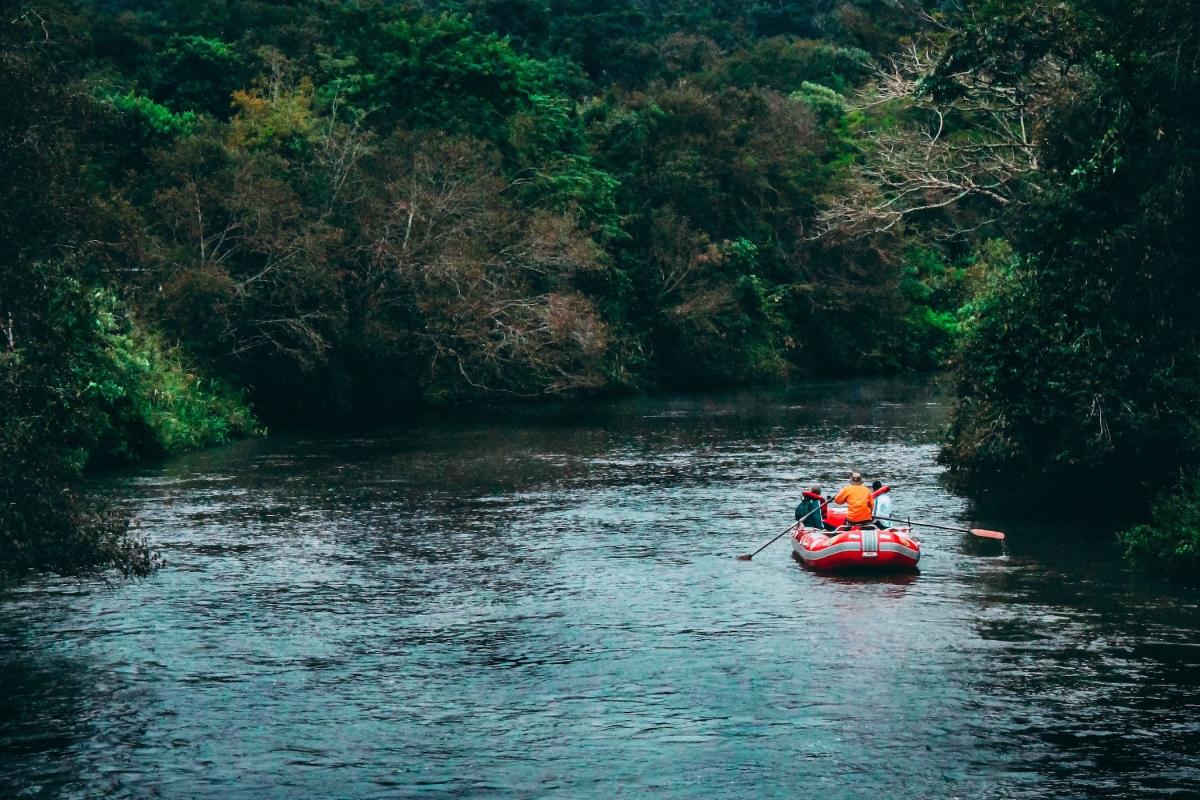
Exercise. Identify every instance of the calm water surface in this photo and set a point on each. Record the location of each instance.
(549, 606)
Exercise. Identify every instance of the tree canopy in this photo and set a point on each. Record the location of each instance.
(217, 213)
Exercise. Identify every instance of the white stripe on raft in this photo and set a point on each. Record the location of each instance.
(832, 550)
(896, 547)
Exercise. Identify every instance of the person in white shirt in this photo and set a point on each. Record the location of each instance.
(883, 505)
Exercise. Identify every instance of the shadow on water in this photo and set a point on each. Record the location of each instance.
(983, 548)
(66, 729)
(38, 690)
(865, 576)
(1094, 678)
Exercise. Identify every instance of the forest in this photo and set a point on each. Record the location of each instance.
(222, 215)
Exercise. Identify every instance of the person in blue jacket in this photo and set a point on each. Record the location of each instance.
(812, 509)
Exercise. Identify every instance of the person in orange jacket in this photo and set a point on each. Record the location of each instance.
(860, 506)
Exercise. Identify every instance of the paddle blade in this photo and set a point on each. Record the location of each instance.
(745, 557)
(985, 534)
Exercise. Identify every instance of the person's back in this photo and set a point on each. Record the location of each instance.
(860, 506)
(883, 501)
(809, 511)
(883, 506)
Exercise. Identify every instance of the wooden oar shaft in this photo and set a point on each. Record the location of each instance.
(788, 530)
(972, 531)
(927, 525)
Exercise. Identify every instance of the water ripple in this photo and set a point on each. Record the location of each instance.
(549, 607)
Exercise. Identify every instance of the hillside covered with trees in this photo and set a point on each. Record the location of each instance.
(223, 214)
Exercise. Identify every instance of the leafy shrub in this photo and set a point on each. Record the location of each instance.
(47, 431)
(153, 118)
(80, 384)
(1171, 543)
(154, 403)
(46, 521)
(787, 64)
(199, 73)
(930, 284)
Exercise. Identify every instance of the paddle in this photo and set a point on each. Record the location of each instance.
(980, 532)
(790, 528)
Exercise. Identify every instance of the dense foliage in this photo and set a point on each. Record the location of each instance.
(329, 209)
(1083, 354)
(318, 208)
(1171, 542)
(80, 381)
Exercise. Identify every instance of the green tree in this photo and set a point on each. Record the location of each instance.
(199, 74)
(1170, 543)
(78, 381)
(1083, 355)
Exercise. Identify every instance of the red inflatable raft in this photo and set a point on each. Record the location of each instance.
(856, 548)
(835, 516)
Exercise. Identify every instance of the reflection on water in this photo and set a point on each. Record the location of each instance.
(549, 606)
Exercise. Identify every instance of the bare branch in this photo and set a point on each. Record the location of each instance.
(989, 152)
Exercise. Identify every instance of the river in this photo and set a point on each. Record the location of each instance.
(549, 605)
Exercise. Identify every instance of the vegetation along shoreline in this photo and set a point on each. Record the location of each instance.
(219, 216)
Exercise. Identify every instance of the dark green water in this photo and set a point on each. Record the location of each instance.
(549, 606)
